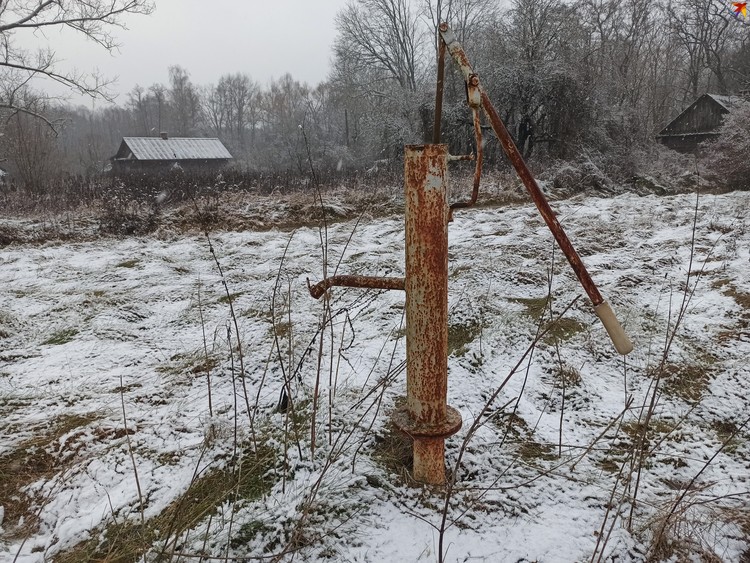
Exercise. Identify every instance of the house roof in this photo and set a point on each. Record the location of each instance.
(726, 103)
(176, 148)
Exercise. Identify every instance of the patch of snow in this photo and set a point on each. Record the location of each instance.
(93, 325)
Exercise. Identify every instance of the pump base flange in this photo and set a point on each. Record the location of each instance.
(403, 421)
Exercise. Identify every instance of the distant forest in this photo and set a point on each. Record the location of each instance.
(589, 77)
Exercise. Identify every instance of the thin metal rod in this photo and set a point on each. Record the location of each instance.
(477, 168)
(439, 91)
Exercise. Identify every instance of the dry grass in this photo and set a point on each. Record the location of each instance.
(36, 459)
(741, 328)
(461, 335)
(129, 539)
(692, 530)
(561, 330)
(195, 363)
(630, 436)
(61, 337)
(231, 211)
(136, 212)
(393, 451)
(520, 437)
(686, 381)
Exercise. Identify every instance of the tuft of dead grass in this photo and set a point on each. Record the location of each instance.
(126, 539)
(561, 330)
(393, 451)
(692, 530)
(520, 437)
(686, 381)
(36, 459)
(461, 335)
(630, 435)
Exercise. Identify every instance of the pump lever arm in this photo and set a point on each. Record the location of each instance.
(603, 310)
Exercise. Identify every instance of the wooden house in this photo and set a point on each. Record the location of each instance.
(161, 154)
(698, 123)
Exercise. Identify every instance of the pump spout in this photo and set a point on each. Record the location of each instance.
(367, 282)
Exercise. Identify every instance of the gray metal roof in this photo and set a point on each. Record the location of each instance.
(175, 148)
(724, 101)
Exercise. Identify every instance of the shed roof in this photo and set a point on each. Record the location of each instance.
(724, 101)
(175, 148)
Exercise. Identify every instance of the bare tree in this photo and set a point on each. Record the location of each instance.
(30, 144)
(384, 34)
(284, 111)
(159, 94)
(138, 104)
(708, 33)
(534, 79)
(184, 100)
(739, 64)
(94, 19)
(466, 17)
(216, 108)
(242, 95)
(232, 107)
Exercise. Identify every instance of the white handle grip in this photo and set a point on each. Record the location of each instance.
(621, 341)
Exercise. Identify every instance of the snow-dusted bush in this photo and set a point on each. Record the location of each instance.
(725, 159)
(584, 174)
(661, 168)
(645, 169)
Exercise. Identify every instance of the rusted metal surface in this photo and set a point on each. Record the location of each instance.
(456, 51)
(459, 56)
(441, 429)
(426, 221)
(368, 282)
(427, 416)
(429, 461)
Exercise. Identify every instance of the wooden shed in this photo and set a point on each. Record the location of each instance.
(160, 154)
(698, 123)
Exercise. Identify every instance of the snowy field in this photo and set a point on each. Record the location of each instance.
(111, 445)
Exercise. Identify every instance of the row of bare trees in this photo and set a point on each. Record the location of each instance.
(568, 77)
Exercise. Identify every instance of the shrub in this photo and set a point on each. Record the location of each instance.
(725, 159)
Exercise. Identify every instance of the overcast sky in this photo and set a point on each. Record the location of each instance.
(209, 38)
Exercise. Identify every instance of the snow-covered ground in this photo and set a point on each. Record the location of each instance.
(98, 335)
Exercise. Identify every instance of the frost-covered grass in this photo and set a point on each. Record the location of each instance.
(111, 448)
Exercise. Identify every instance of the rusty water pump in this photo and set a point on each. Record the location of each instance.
(426, 417)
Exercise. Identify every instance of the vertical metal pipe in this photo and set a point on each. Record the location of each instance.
(429, 460)
(426, 219)
(427, 418)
